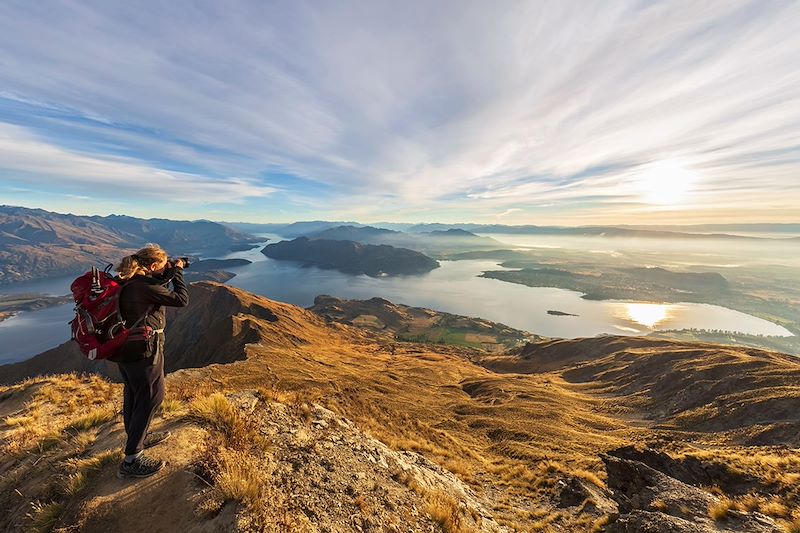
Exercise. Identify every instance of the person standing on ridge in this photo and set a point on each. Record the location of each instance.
(145, 275)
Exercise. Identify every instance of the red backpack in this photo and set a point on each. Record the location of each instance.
(98, 327)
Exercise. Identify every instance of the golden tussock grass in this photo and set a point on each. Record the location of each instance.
(172, 407)
(278, 396)
(444, 510)
(591, 477)
(460, 467)
(658, 505)
(781, 467)
(93, 418)
(21, 421)
(80, 470)
(235, 459)
(239, 476)
(56, 404)
(792, 527)
(219, 413)
(771, 506)
(43, 516)
(84, 440)
(774, 508)
(720, 510)
(600, 523)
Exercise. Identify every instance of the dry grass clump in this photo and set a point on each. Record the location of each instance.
(600, 523)
(591, 477)
(405, 477)
(361, 503)
(461, 468)
(526, 522)
(278, 396)
(236, 463)
(778, 469)
(720, 509)
(440, 506)
(93, 418)
(80, 470)
(65, 402)
(792, 527)
(773, 506)
(172, 407)
(773, 467)
(43, 516)
(215, 410)
(445, 511)
(659, 505)
(240, 477)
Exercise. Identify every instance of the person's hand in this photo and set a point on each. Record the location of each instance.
(179, 263)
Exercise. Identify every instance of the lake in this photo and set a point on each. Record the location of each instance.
(454, 288)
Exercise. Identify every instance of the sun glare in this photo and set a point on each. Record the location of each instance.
(647, 314)
(666, 182)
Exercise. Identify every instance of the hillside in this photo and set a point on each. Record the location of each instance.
(405, 323)
(37, 244)
(352, 257)
(292, 421)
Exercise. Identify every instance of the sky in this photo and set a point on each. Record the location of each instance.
(512, 112)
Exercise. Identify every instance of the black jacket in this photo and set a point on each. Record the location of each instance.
(149, 295)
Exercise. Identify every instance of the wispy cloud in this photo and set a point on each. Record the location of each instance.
(508, 212)
(41, 163)
(414, 106)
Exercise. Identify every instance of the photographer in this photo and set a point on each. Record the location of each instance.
(145, 275)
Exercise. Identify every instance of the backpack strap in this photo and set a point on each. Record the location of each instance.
(96, 289)
(141, 319)
(144, 334)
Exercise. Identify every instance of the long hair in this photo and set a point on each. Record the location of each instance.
(136, 264)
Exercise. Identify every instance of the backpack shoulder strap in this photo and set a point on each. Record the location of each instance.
(143, 317)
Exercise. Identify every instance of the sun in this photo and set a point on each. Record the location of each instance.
(647, 314)
(666, 182)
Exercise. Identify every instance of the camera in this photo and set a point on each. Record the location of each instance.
(173, 260)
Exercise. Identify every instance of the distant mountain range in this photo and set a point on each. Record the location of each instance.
(703, 231)
(352, 257)
(35, 243)
(439, 242)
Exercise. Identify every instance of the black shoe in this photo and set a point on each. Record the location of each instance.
(155, 438)
(142, 466)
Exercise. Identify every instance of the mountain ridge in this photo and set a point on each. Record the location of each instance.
(533, 433)
(35, 243)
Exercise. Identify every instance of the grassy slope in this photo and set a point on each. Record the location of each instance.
(514, 430)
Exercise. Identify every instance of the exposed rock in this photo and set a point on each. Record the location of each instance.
(652, 501)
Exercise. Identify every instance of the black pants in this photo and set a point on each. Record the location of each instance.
(143, 393)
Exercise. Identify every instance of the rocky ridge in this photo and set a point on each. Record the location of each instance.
(558, 435)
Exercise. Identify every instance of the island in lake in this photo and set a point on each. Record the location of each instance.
(352, 257)
(213, 270)
(10, 304)
(559, 313)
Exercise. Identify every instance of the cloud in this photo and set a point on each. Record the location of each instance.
(508, 212)
(451, 103)
(40, 163)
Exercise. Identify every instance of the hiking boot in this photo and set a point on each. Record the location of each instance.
(142, 466)
(155, 438)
